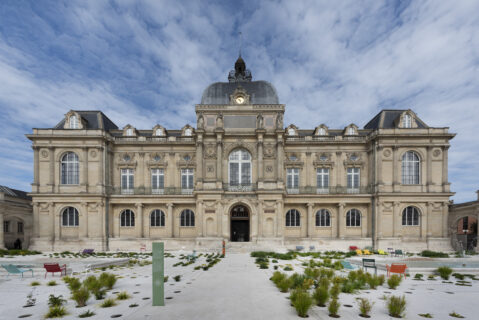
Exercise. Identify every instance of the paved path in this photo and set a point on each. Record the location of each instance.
(234, 289)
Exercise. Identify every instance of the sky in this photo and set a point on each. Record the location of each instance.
(148, 62)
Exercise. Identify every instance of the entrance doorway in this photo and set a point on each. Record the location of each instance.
(239, 224)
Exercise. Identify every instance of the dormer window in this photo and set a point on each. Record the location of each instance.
(321, 132)
(407, 121)
(351, 131)
(129, 132)
(291, 132)
(188, 132)
(159, 132)
(73, 122)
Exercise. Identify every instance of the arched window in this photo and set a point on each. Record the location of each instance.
(70, 168)
(157, 218)
(73, 122)
(351, 131)
(323, 218)
(70, 217)
(406, 121)
(410, 216)
(293, 218)
(129, 132)
(159, 132)
(353, 218)
(187, 218)
(188, 132)
(410, 168)
(239, 168)
(127, 218)
(321, 132)
(291, 132)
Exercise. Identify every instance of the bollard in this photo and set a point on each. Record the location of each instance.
(158, 270)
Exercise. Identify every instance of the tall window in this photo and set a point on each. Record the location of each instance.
(129, 132)
(70, 217)
(6, 226)
(292, 179)
(70, 168)
(127, 218)
(291, 132)
(127, 181)
(353, 218)
(410, 216)
(19, 227)
(351, 131)
(157, 218)
(73, 122)
(323, 218)
(410, 168)
(293, 218)
(187, 179)
(159, 132)
(187, 218)
(240, 168)
(157, 181)
(322, 180)
(321, 132)
(406, 121)
(353, 180)
(188, 132)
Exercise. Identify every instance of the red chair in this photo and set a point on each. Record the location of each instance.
(55, 267)
(353, 248)
(399, 268)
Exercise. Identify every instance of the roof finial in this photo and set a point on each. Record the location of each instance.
(241, 42)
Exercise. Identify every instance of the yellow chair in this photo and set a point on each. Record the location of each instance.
(366, 252)
(359, 252)
(381, 252)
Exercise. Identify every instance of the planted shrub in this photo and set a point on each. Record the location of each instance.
(434, 254)
(321, 296)
(456, 315)
(74, 284)
(418, 276)
(51, 283)
(381, 279)
(425, 315)
(56, 312)
(333, 308)
(394, 281)
(284, 284)
(177, 278)
(81, 296)
(86, 314)
(54, 301)
(123, 295)
(107, 303)
(444, 272)
(335, 290)
(365, 307)
(458, 276)
(165, 279)
(36, 283)
(431, 277)
(302, 302)
(396, 306)
(107, 280)
(95, 286)
(277, 277)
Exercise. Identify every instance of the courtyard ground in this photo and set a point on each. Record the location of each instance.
(235, 288)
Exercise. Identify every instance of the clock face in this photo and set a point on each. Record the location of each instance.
(239, 100)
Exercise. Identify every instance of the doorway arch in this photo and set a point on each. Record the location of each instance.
(239, 224)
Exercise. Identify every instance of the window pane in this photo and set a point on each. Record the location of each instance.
(234, 173)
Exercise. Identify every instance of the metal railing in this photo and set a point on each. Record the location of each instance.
(242, 187)
(149, 191)
(330, 190)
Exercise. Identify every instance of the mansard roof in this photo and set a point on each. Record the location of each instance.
(386, 119)
(94, 120)
(15, 193)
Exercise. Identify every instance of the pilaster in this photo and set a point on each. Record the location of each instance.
(340, 223)
(171, 220)
(310, 220)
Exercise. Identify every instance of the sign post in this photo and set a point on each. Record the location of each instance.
(158, 269)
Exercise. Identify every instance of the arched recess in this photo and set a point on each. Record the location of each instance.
(240, 223)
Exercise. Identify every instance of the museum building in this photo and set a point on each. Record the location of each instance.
(240, 176)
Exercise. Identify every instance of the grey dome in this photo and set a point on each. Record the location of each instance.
(261, 92)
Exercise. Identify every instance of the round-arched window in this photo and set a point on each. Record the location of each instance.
(127, 218)
(70, 217)
(323, 218)
(353, 218)
(157, 218)
(187, 218)
(410, 216)
(239, 168)
(293, 218)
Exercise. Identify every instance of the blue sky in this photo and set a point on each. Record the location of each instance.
(147, 62)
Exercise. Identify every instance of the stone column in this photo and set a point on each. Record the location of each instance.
(445, 180)
(396, 216)
(379, 155)
(146, 224)
(310, 220)
(280, 220)
(219, 217)
(116, 225)
(308, 167)
(260, 158)
(340, 223)
(424, 220)
(395, 168)
(84, 220)
(139, 228)
(364, 223)
(84, 170)
(36, 221)
(51, 181)
(224, 221)
(36, 168)
(219, 159)
(2, 239)
(445, 214)
(428, 170)
(261, 218)
(102, 155)
(340, 169)
(254, 224)
(56, 216)
(201, 223)
(280, 158)
(199, 161)
(171, 224)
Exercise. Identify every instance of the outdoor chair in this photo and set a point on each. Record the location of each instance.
(55, 267)
(398, 252)
(299, 248)
(381, 252)
(12, 269)
(359, 252)
(370, 263)
(353, 248)
(347, 265)
(391, 251)
(366, 252)
(143, 248)
(87, 251)
(311, 248)
(191, 256)
(399, 268)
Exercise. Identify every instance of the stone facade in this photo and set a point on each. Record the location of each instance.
(16, 218)
(365, 187)
(464, 233)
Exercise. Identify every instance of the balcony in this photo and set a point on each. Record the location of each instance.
(240, 187)
(330, 190)
(149, 191)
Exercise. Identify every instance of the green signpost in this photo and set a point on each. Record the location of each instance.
(158, 269)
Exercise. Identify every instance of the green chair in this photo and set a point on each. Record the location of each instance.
(12, 269)
(347, 265)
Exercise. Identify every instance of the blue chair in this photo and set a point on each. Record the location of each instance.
(347, 265)
(11, 269)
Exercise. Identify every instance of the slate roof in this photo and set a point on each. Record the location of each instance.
(15, 193)
(94, 120)
(261, 92)
(385, 119)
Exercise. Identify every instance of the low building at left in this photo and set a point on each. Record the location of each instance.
(16, 216)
